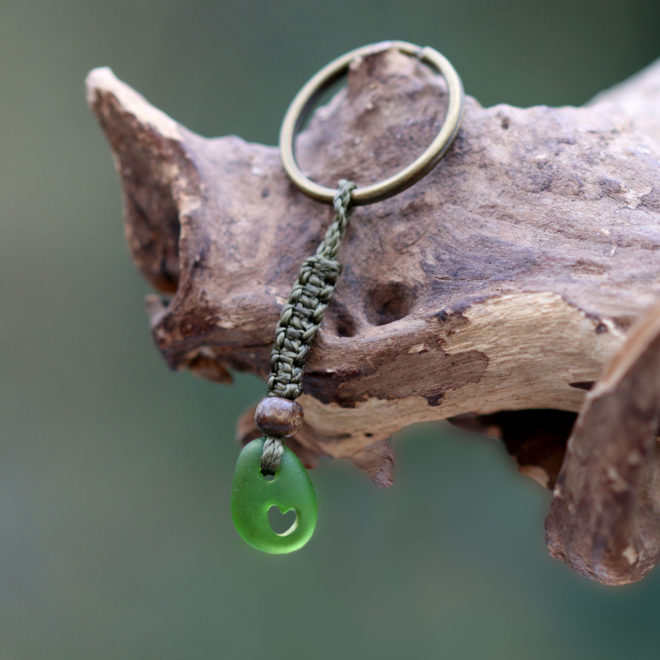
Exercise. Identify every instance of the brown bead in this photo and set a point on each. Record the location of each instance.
(278, 417)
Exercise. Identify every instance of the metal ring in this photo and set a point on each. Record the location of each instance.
(304, 101)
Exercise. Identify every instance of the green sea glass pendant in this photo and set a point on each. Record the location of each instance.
(253, 495)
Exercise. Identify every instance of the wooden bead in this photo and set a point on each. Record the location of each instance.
(278, 417)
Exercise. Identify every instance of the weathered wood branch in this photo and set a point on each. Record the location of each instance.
(610, 481)
(491, 293)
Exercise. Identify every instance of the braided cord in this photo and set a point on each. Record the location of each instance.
(301, 317)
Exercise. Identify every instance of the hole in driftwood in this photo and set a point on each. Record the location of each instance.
(389, 302)
(345, 324)
(282, 523)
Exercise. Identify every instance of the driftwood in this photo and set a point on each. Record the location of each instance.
(492, 293)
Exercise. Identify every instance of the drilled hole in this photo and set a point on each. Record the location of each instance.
(389, 302)
(282, 523)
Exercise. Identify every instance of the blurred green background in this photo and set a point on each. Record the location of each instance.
(115, 534)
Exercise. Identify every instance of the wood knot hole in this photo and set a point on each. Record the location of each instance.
(389, 302)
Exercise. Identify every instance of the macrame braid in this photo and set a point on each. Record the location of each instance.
(301, 317)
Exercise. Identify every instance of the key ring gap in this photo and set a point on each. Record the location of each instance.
(304, 101)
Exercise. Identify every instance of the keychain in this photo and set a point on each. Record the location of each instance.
(267, 473)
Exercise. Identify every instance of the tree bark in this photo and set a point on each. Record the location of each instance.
(492, 293)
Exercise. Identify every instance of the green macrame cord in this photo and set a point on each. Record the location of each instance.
(301, 317)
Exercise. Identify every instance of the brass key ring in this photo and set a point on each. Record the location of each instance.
(304, 101)
(268, 474)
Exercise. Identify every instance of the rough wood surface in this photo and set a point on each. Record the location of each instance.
(610, 482)
(491, 293)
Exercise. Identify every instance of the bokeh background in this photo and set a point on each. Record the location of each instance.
(115, 534)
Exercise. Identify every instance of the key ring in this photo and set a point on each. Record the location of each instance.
(268, 474)
(303, 103)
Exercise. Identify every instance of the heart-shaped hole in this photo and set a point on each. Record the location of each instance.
(282, 523)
